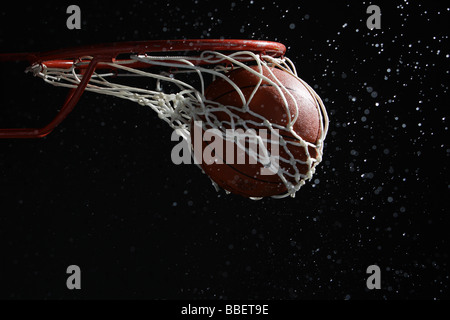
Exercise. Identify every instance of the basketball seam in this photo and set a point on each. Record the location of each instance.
(246, 87)
(229, 165)
(318, 113)
(244, 174)
(263, 85)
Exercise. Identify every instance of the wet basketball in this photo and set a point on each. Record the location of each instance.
(284, 101)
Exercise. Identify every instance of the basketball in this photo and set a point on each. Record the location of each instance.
(246, 179)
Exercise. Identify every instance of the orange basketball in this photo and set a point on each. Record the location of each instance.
(245, 179)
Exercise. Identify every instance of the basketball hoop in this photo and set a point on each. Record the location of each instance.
(98, 68)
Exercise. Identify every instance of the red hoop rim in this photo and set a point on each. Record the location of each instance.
(107, 51)
(102, 54)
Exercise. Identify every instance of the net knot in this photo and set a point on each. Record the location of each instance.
(36, 69)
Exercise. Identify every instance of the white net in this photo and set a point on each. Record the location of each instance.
(187, 78)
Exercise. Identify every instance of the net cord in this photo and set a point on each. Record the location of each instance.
(180, 108)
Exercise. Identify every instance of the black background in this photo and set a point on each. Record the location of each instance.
(101, 191)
